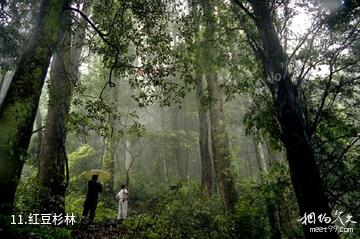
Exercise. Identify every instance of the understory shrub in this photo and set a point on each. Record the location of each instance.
(183, 212)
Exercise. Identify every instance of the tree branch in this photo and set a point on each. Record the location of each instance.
(35, 131)
(238, 3)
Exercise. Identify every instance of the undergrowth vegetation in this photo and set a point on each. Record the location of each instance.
(180, 210)
(183, 212)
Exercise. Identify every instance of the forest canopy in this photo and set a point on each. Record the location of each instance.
(199, 118)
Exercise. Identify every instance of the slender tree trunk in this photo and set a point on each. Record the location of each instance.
(165, 170)
(206, 161)
(259, 154)
(305, 175)
(128, 158)
(108, 162)
(17, 113)
(219, 135)
(175, 115)
(248, 168)
(129, 170)
(111, 145)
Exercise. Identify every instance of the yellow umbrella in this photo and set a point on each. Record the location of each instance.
(102, 174)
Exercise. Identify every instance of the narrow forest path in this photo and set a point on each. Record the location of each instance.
(105, 230)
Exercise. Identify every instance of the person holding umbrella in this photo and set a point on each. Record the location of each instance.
(94, 188)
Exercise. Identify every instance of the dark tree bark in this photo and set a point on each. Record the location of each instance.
(18, 110)
(305, 176)
(219, 136)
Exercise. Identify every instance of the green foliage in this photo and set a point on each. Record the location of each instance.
(140, 29)
(275, 187)
(81, 159)
(105, 212)
(28, 200)
(28, 196)
(178, 213)
(31, 196)
(16, 20)
(251, 212)
(182, 212)
(74, 203)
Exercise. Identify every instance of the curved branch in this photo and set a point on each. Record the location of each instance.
(238, 3)
(87, 19)
(103, 37)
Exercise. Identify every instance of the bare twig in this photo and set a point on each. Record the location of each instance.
(35, 131)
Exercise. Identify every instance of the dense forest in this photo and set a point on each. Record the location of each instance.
(209, 118)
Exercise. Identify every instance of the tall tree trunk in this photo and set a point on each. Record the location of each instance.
(17, 113)
(53, 166)
(305, 175)
(206, 161)
(219, 135)
(53, 157)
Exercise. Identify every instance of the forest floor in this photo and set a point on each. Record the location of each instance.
(104, 230)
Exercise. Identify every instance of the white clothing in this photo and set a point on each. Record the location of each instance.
(122, 196)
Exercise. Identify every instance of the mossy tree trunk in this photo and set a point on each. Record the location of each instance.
(18, 110)
(53, 154)
(219, 136)
(53, 168)
(204, 144)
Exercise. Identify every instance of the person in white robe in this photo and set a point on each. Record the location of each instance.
(122, 196)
